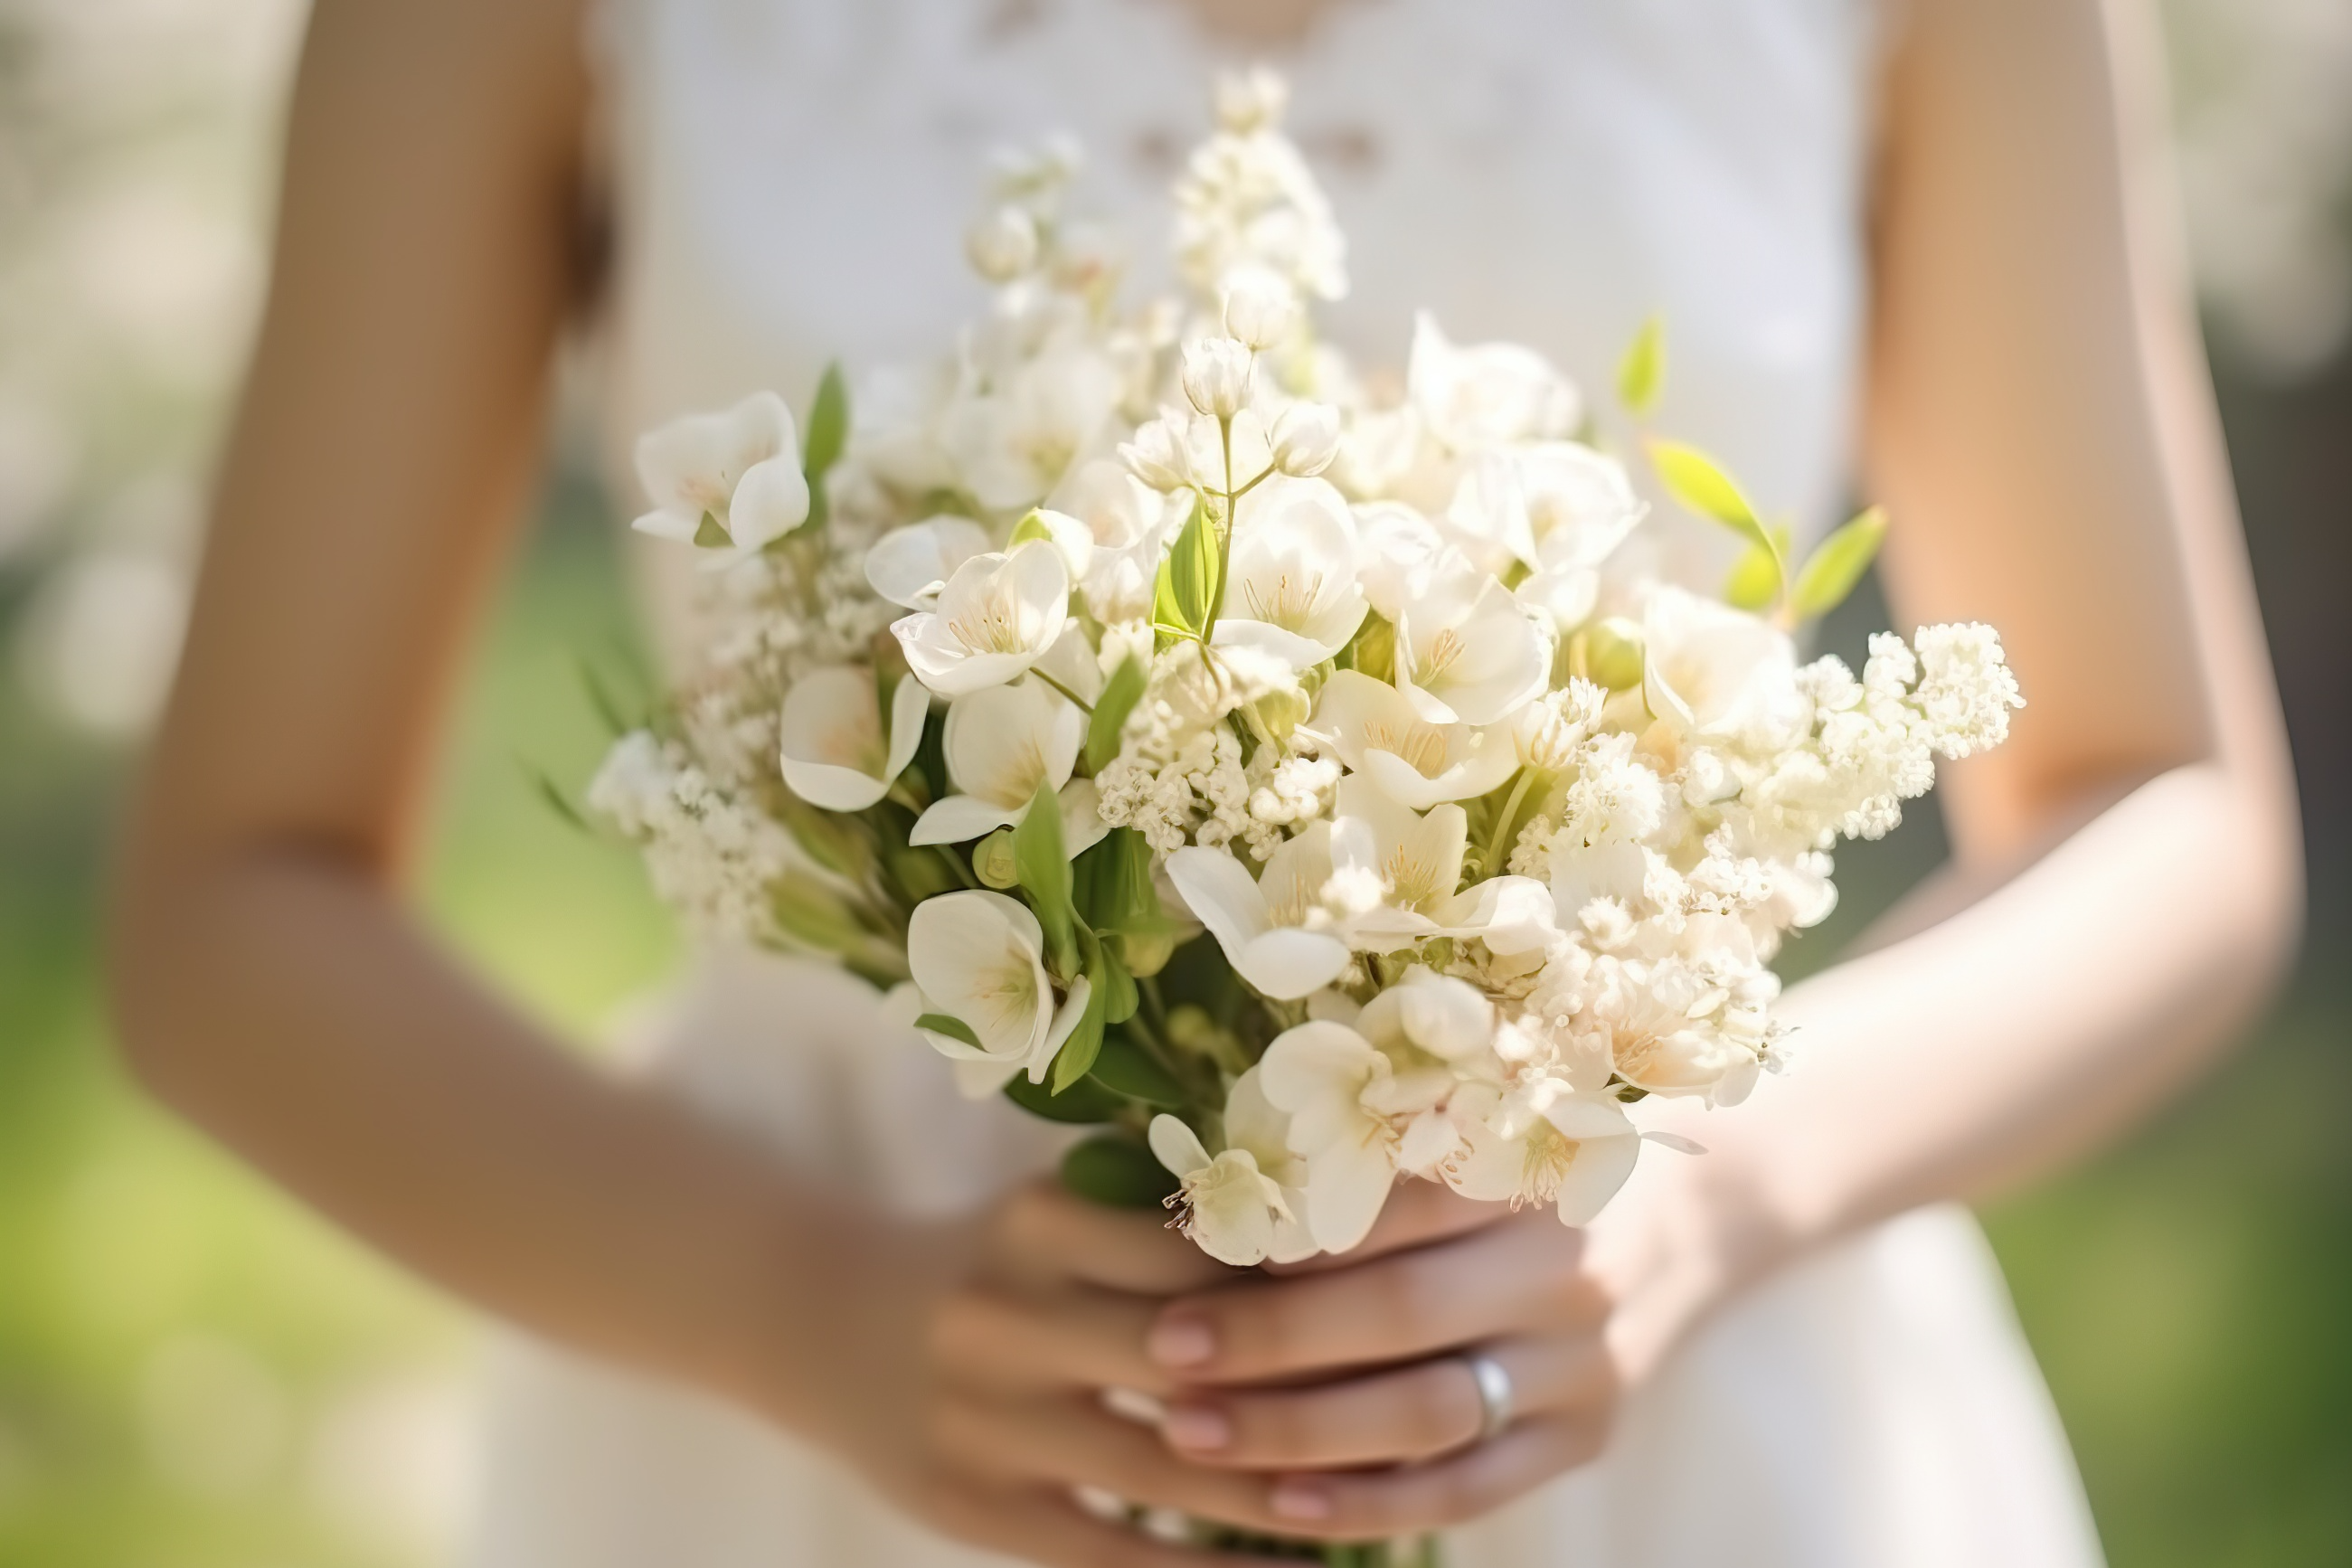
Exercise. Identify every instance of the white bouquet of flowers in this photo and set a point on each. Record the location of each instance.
(1296, 782)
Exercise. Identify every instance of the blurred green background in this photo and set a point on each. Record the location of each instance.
(194, 1373)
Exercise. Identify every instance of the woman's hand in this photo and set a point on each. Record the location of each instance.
(1343, 1381)
(964, 1371)
(1341, 1389)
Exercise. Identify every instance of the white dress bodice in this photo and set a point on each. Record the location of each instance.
(791, 180)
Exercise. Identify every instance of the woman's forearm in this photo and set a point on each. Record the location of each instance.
(287, 1004)
(2022, 1030)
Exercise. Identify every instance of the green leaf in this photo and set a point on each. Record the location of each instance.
(600, 698)
(1188, 586)
(1127, 1069)
(1119, 1172)
(1697, 482)
(1029, 527)
(1119, 696)
(1641, 373)
(1076, 1056)
(1045, 876)
(828, 432)
(549, 791)
(1829, 573)
(1084, 1101)
(810, 912)
(1755, 580)
(947, 1024)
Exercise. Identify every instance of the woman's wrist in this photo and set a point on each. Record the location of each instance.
(1692, 1232)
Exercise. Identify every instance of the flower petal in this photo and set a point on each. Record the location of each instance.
(1177, 1146)
(959, 819)
(910, 565)
(772, 501)
(1347, 1186)
(1595, 1176)
(1221, 895)
(1287, 964)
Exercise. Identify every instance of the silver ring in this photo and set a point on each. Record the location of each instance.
(1495, 1394)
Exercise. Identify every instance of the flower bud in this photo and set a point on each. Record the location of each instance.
(1217, 376)
(1003, 245)
(992, 860)
(1250, 100)
(1260, 307)
(1159, 455)
(1613, 653)
(1306, 439)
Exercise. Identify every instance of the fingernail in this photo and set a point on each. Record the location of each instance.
(1181, 1341)
(1198, 1429)
(1295, 1500)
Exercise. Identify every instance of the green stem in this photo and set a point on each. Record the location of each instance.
(1153, 1002)
(955, 864)
(1088, 707)
(1494, 845)
(1225, 537)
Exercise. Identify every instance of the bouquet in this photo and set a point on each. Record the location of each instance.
(1294, 781)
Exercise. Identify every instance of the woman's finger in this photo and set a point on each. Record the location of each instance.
(1072, 1442)
(1492, 1283)
(1072, 1337)
(1416, 1213)
(1367, 1504)
(1046, 1233)
(1397, 1416)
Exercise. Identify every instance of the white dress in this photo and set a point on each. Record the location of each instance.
(791, 180)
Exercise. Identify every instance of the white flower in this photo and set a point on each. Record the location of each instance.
(979, 958)
(1415, 860)
(1217, 375)
(1402, 559)
(1250, 101)
(1072, 539)
(1003, 245)
(1013, 442)
(835, 754)
(1580, 507)
(1470, 658)
(1655, 1042)
(1228, 1206)
(1378, 733)
(1486, 395)
(1334, 1084)
(1131, 523)
(1487, 518)
(996, 616)
(1720, 674)
(1260, 306)
(740, 468)
(1160, 453)
(1262, 924)
(1542, 1142)
(1290, 582)
(1966, 687)
(910, 565)
(1002, 744)
(1306, 438)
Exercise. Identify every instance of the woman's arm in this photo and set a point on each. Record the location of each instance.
(269, 982)
(2126, 886)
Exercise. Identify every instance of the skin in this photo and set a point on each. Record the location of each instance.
(2124, 891)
